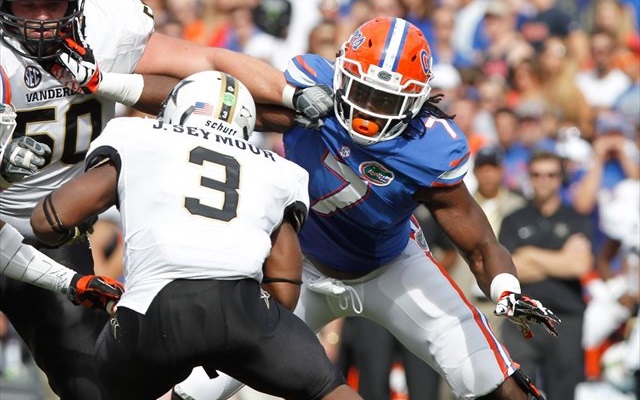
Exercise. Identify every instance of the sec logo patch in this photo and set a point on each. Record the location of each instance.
(32, 76)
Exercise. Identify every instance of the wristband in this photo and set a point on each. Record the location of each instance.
(503, 282)
(287, 96)
(283, 280)
(123, 88)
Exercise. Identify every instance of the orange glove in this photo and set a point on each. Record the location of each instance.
(94, 291)
(76, 67)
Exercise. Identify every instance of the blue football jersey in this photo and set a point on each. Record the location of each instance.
(362, 196)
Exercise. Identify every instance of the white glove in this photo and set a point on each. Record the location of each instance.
(523, 310)
(22, 158)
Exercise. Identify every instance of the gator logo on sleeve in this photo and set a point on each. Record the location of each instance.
(421, 240)
(376, 173)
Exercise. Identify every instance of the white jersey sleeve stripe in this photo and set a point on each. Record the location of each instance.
(297, 75)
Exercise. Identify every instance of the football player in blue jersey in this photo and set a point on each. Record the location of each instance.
(386, 149)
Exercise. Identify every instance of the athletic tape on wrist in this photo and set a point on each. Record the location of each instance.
(503, 282)
(287, 96)
(123, 88)
(24, 263)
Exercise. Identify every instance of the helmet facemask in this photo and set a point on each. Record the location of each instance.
(40, 40)
(373, 107)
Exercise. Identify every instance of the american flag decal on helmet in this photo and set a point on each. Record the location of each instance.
(202, 108)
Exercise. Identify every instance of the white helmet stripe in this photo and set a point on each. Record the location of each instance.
(394, 44)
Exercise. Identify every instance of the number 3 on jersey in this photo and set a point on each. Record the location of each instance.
(229, 187)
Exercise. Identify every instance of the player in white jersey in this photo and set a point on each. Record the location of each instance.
(202, 212)
(103, 43)
(55, 115)
(70, 61)
(60, 336)
(23, 262)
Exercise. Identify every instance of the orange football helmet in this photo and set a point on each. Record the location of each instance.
(381, 79)
(7, 112)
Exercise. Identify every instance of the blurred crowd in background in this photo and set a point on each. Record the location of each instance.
(522, 77)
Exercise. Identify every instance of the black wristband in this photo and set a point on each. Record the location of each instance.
(284, 280)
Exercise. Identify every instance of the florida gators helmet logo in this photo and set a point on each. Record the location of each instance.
(425, 58)
(357, 39)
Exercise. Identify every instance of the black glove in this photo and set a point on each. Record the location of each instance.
(311, 104)
(79, 233)
(22, 157)
(523, 310)
(94, 291)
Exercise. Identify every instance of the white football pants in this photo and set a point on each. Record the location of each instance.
(419, 303)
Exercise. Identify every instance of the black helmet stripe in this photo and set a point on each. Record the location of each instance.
(228, 97)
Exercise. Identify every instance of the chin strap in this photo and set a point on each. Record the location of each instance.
(408, 116)
(343, 107)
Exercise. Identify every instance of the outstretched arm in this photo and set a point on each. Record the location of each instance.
(26, 264)
(166, 60)
(266, 83)
(165, 55)
(156, 89)
(465, 223)
(272, 118)
(467, 226)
